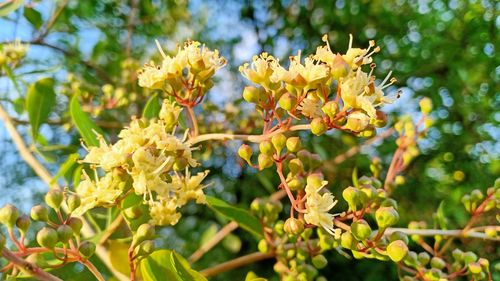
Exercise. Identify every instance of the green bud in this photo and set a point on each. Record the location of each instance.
(476, 195)
(411, 259)
(319, 261)
(306, 233)
(368, 132)
(357, 121)
(485, 264)
(386, 217)
(278, 227)
(351, 196)
(287, 101)
(64, 233)
(469, 257)
(331, 109)
(22, 223)
(424, 258)
(39, 213)
(438, 263)
(145, 231)
(146, 248)
(133, 212)
(73, 202)
(76, 224)
(398, 235)
(296, 183)
(318, 126)
(9, 215)
(266, 147)
(54, 198)
(262, 246)
(273, 206)
(264, 161)
(397, 250)
(296, 166)
(279, 142)
(466, 200)
(86, 249)
(293, 226)
(490, 231)
(474, 268)
(245, 152)
(47, 237)
(293, 144)
(361, 229)
(457, 254)
(257, 206)
(389, 202)
(251, 94)
(348, 241)
(339, 68)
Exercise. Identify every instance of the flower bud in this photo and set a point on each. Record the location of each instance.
(397, 250)
(47, 237)
(76, 224)
(315, 180)
(319, 261)
(257, 206)
(331, 109)
(347, 240)
(318, 126)
(39, 213)
(339, 67)
(262, 246)
(411, 259)
(490, 231)
(466, 200)
(9, 215)
(424, 258)
(279, 142)
(296, 183)
(86, 249)
(266, 147)
(357, 121)
(425, 105)
(469, 257)
(361, 229)
(293, 226)
(474, 268)
(438, 263)
(476, 195)
(296, 166)
(368, 132)
(245, 152)
(287, 101)
(54, 198)
(146, 248)
(351, 196)
(380, 120)
(264, 161)
(485, 264)
(386, 217)
(145, 231)
(398, 235)
(293, 144)
(251, 94)
(458, 255)
(64, 233)
(73, 202)
(273, 206)
(22, 223)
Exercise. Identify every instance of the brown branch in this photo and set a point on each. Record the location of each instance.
(232, 264)
(30, 268)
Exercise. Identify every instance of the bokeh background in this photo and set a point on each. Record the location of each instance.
(445, 50)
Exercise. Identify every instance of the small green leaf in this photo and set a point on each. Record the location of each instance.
(7, 7)
(84, 124)
(33, 16)
(355, 177)
(241, 216)
(152, 108)
(40, 100)
(168, 265)
(66, 166)
(440, 216)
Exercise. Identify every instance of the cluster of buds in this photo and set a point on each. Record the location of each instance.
(149, 160)
(12, 53)
(60, 234)
(142, 242)
(187, 76)
(306, 89)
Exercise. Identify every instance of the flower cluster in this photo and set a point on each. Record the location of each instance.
(318, 205)
(148, 159)
(12, 53)
(187, 75)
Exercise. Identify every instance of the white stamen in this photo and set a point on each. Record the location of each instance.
(160, 49)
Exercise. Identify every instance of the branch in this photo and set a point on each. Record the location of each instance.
(449, 233)
(32, 269)
(232, 264)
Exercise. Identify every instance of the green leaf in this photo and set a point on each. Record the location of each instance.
(40, 100)
(84, 124)
(152, 108)
(7, 7)
(168, 265)
(66, 166)
(440, 216)
(33, 16)
(118, 255)
(241, 216)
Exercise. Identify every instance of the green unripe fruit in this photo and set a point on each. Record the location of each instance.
(424, 258)
(279, 142)
(386, 217)
(397, 250)
(293, 144)
(347, 240)
(64, 233)
(262, 246)
(251, 94)
(469, 257)
(9, 215)
(318, 126)
(458, 255)
(22, 223)
(87, 249)
(296, 166)
(361, 229)
(266, 147)
(133, 212)
(319, 261)
(73, 202)
(351, 196)
(245, 152)
(146, 248)
(287, 101)
(39, 213)
(438, 263)
(474, 268)
(47, 237)
(398, 235)
(264, 161)
(54, 198)
(145, 231)
(411, 259)
(293, 226)
(331, 109)
(76, 224)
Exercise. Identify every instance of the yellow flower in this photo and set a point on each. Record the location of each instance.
(164, 212)
(261, 69)
(311, 107)
(101, 192)
(307, 75)
(318, 207)
(152, 76)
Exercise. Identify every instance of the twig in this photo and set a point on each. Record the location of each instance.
(32, 269)
(194, 122)
(90, 266)
(232, 264)
(449, 233)
(228, 228)
(111, 229)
